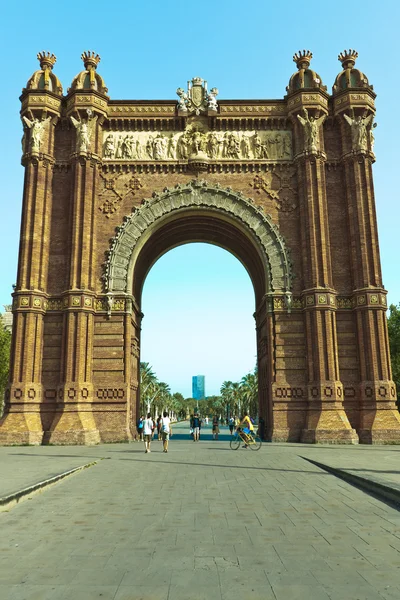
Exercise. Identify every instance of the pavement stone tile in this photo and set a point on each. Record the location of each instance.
(89, 592)
(37, 592)
(219, 516)
(92, 577)
(10, 574)
(300, 592)
(140, 592)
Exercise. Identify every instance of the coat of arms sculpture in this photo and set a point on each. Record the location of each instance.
(197, 99)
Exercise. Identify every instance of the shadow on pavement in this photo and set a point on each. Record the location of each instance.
(245, 467)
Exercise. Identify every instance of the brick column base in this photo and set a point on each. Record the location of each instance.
(21, 428)
(328, 425)
(73, 424)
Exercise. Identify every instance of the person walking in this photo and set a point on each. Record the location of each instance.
(196, 427)
(231, 424)
(148, 427)
(159, 434)
(215, 427)
(139, 426)
(166, 430)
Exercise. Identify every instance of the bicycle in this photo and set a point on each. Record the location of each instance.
(251, 440)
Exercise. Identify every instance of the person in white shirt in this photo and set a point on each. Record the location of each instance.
(166, 430)
(148, 427)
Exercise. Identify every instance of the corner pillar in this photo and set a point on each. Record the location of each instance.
(326, 420)
(74, 421)
(22, 423)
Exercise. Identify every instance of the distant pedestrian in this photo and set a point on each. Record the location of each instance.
(215, 427)
(191, 426)
(196, 427)
(231, 424)
(148, 428)
(139, 427)
(159, 434)
(166, 430)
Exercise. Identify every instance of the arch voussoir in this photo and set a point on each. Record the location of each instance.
(193, 195)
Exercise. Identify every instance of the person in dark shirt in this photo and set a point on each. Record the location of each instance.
(196, 427)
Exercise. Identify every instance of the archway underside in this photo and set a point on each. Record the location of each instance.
(200, 227)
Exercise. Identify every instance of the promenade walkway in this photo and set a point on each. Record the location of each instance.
(201, 522)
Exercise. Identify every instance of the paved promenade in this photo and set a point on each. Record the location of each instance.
(199, 522)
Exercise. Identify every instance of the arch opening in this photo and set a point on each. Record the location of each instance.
(200, 212)
(198, 304)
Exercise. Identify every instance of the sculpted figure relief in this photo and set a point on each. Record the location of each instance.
(159, 147)
(359, 133)
(172, 144)
(228, 145)
(37, 129)
(213, 145)
(231, 146)
(245, 146)
(109, 149)
(311, 130)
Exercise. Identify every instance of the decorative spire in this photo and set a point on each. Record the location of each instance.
(302, 58)
(46, 60)
(90, 59)
(348, 58)
(44, 78)
(89, 79)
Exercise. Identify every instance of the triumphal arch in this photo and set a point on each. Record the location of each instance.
(285, 185)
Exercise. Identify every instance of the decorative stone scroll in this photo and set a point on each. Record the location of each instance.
(229, 145)
(199, 194)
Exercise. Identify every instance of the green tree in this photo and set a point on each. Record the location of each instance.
(394, 343)
(148, 381)
(249, 388)
(227, 395)
(5, 345)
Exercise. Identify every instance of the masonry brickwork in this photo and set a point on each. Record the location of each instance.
(285, 185)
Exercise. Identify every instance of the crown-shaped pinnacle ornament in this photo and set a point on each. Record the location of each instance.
(348, 58)
(90, 59)
(46, 59)
(302, 58)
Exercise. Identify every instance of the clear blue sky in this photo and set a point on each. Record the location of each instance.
(244, 49)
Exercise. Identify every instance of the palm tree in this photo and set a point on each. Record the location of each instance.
(148, 380)
(249, 385)
(236, 395)
(226, 393)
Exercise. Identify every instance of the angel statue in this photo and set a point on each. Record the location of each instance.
(37, 128)
(359, 134)
(310, 128)
(83, 131)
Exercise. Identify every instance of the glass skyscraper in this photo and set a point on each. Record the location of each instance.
(198, 387)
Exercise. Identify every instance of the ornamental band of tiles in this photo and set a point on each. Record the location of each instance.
(285, 185)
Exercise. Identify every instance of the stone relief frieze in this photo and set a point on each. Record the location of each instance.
(217, 145)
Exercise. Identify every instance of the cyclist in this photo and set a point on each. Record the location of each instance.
(246, 426)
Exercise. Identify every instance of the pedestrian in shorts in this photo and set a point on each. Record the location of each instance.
(148, 427)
